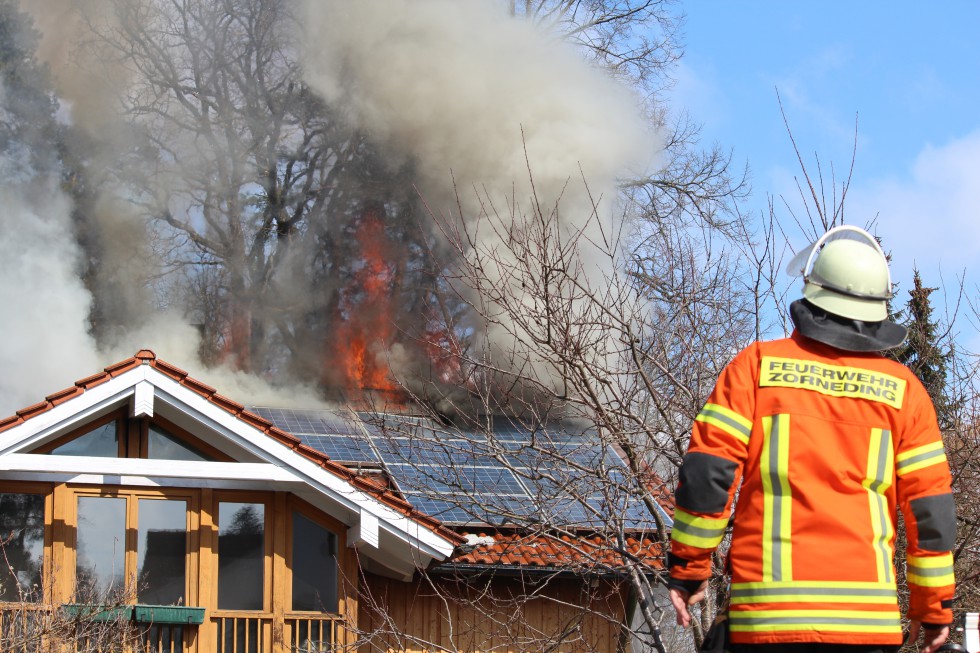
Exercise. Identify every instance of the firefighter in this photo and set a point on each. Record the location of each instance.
(822, 439)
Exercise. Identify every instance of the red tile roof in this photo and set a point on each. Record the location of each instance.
(572, 552)
(147, 357)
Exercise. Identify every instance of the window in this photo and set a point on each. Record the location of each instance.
(101, 441)
(161, 445)
(118, 437)
(104, 561)
(314, 562)
(22, 544)
(241, 556)
(100, 554)
(161, 566)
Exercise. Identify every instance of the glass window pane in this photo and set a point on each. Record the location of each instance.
(162, 551)
(164, 446)
(102, 441)
(22, 546)
(241, 555)
(100, 565)
(314, 566)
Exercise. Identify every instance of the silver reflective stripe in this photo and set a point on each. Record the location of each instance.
(698, 531)
(930, 571)
(879, 480)
(797, 591)
(717, 414)
(932, 456)
(777, 545)
(755, 619)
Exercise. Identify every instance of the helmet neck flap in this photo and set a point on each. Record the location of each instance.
(843, 333)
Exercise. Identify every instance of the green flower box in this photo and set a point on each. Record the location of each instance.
(168, 614)
(91, 612)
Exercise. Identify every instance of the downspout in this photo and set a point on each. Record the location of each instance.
(644, 606)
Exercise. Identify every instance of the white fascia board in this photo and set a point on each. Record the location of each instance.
(152, 482)
(252, 439)
(141, 467)
(75, 411)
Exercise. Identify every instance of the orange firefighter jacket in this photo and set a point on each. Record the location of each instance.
(820, 446)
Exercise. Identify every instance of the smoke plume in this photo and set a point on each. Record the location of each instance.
(482, 102)
(45, 304)
(459, 88)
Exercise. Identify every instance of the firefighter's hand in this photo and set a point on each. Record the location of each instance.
(932, 638)
(682, 599)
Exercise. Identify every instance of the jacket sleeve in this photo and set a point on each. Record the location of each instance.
(711, 472)
(926, 500)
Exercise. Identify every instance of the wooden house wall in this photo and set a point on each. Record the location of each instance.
(483, 613)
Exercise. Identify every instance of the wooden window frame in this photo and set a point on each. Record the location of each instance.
(182, 435)
(132, 436)
(118, 416)
(35, 487)
(335, 526)
(201, 577)
(131, 557)
(267, 499)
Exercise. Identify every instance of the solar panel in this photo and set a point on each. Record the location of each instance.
(311, 421)
(349, 449)
(517, 471)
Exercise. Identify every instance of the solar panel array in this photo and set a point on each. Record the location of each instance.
(504, 473)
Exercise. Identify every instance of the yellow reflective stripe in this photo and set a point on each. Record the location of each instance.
(924, 456)
(702, 532)
(815, 620)
(832, 380)
(877, 481)
(727, 420)
(777, 547)
(931, 581)
(833, 592)
(932, 562)
(932, 571)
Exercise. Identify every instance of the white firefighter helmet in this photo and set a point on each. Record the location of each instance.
(845, 273)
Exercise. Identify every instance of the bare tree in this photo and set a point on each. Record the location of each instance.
(264, 206)
(599, 357)
(231, 152)
(94, 620)
(635, 39)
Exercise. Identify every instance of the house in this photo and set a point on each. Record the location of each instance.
(234, 530)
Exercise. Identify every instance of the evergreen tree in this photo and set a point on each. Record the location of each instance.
(926, 351)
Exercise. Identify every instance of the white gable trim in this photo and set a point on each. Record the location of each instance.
(72, 413)
(142, 404)
(134, 385)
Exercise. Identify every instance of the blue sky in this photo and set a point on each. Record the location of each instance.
(908, 72)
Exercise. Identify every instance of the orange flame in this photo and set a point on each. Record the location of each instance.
(361, 341)
(237, 336)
